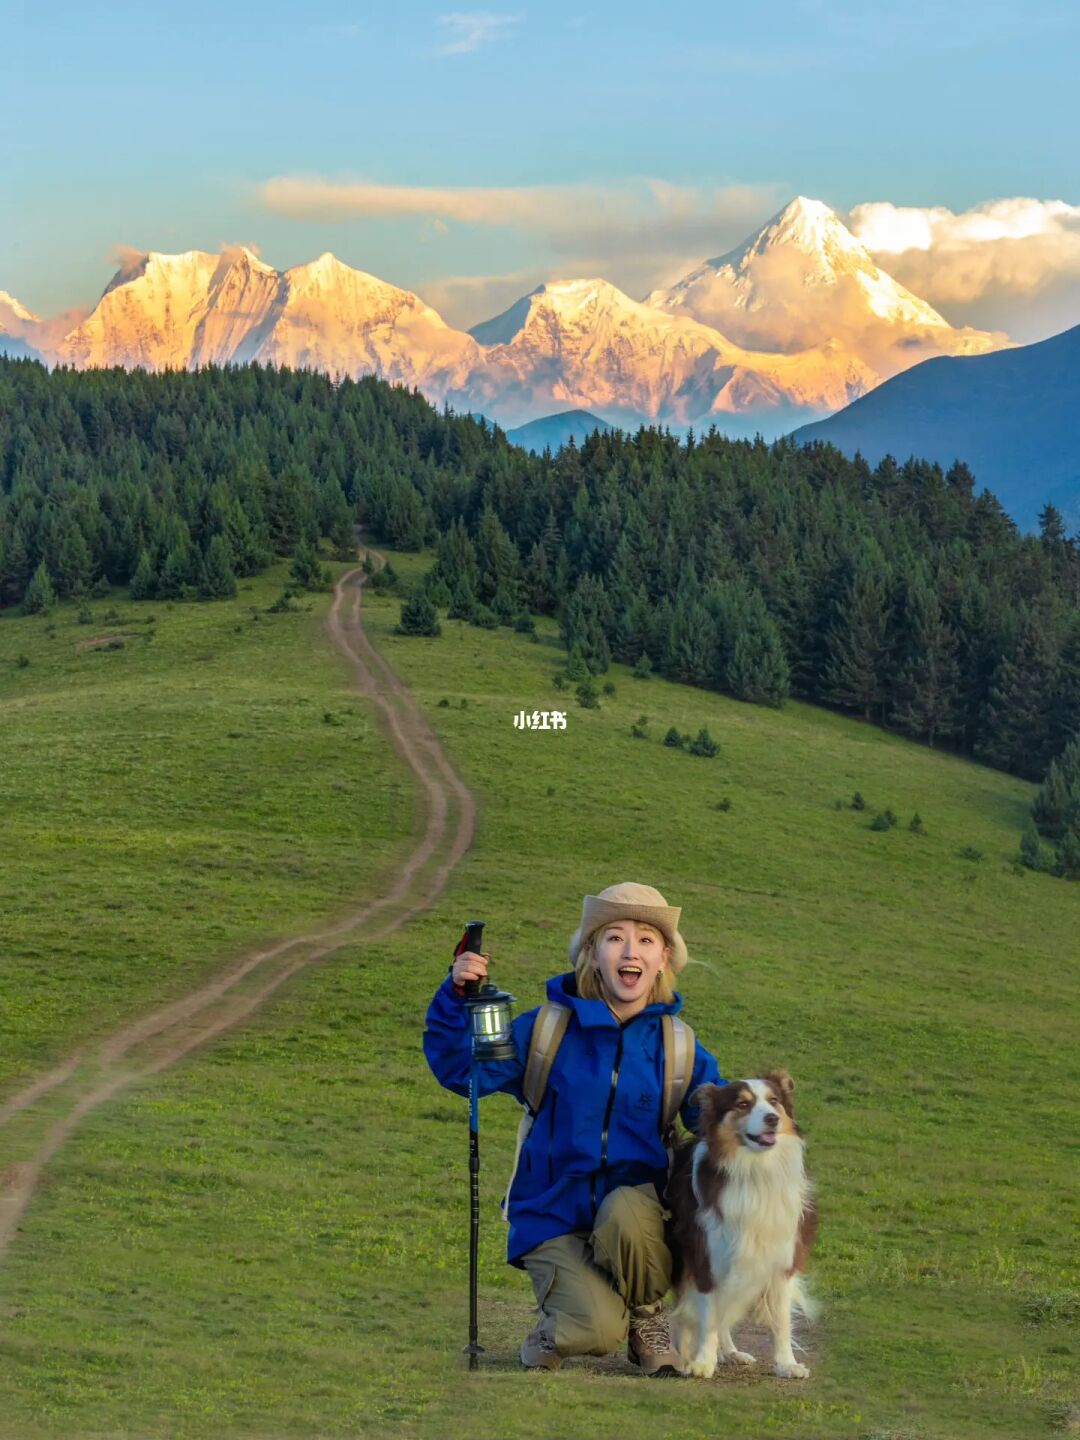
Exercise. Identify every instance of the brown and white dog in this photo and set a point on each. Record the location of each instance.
(742, 1223)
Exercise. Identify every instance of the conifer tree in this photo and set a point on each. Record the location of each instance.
(73, 564)
(15, 568)
(217, 581)
(144, 581)
(1016, 726)
(463, 600)
(305, 569)
(40, 596)
(927, 684)
(857, 643)
(1056, 808)
(497, 560)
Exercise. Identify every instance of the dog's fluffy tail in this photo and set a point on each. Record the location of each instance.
(802, 1303)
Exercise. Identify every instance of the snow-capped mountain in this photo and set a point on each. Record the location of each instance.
(804, 281)
(333, 318)
(13, 313)
(584, 343)
(183, 311)
(17, 328)
(148, 316)
(793, 325)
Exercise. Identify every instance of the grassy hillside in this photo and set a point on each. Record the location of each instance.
(271, 1239)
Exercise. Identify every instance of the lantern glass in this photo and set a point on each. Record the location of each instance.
(490, 1016)
(491, 1022)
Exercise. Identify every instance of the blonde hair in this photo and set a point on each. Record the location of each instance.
(590, 987)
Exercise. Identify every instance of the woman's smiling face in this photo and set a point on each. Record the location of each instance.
(629, 955)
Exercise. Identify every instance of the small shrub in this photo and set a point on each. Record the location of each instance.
(550, 791)
(116, 642)
(673, 739)
(883, 820)
(1059, 1308)
(484, 617)
(329, 718)
(609, 688)
(1034, 854)
(559, 680)
(384, 581)
(23, 662)
(857, 801)
(916, 825)
(85, 615)
(724, 805)
(525, 624)
(971, 852)
(639, 731)
(840, 805)
(705, 745)
(588, 696)
(464, 704)
(368, 565)
(643, 668)
(444, 703)
(286, 603)
(419, 617)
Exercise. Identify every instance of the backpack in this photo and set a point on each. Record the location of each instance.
(547, 1034)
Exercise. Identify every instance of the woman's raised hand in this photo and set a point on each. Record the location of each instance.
(469, 966)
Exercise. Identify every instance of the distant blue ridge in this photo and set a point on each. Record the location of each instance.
(1013, 417)
(552, 432)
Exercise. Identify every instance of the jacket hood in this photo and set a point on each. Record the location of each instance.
(562, 990)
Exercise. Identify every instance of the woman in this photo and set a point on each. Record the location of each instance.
(586, 1220)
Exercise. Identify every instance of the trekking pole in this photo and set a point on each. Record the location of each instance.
(489, 1028)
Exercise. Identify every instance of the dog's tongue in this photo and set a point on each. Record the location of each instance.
(767, 1137)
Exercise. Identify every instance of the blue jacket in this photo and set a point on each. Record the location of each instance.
(598, 1126)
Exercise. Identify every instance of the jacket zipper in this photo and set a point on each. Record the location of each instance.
(607, 1119)
(551, 1140)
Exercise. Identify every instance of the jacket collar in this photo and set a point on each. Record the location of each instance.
(562, 990)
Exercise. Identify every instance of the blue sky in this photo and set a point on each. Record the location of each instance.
(632, 139)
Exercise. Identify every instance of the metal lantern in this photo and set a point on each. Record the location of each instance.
(490, 1016)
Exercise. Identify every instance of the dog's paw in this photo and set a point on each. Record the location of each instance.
(739, 1357)
(701, 1369)
(791, 1370)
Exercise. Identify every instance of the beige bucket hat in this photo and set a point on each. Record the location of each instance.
(628, 901)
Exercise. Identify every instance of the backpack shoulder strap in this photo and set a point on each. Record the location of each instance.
(544, 1044)
(679, 1046)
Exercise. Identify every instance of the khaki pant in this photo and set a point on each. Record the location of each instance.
(587, 1285)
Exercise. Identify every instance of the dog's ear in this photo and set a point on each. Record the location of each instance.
(701, 1099)
(785, 1086)
(714, 1101)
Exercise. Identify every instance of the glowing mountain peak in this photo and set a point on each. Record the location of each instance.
(15, 309)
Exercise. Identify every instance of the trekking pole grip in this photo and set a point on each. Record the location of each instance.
(472, 939)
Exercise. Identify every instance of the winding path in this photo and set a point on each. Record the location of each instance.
(54, 1104)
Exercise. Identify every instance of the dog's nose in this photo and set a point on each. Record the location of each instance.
(771, 1121)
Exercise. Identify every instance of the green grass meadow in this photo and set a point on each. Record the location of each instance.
(271, 1239)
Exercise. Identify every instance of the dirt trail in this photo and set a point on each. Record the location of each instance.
(154, 1042)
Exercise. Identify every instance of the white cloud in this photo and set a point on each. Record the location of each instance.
(1016, 247)
(629, 219)
(467, 32)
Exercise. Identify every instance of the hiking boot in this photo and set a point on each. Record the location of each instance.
(649, 1345)
(538, 1350)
